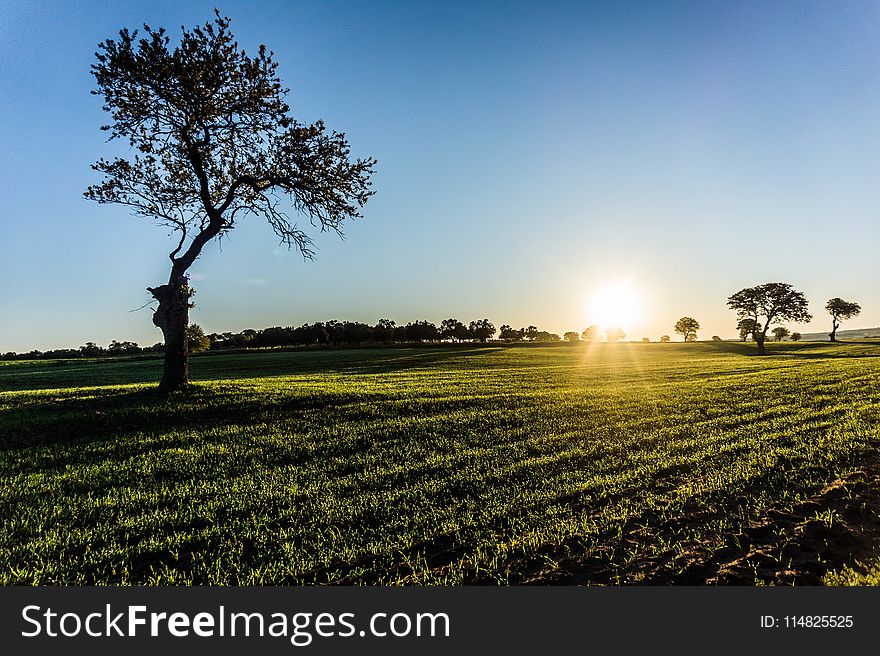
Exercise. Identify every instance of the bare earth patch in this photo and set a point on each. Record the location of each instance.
(840, 526)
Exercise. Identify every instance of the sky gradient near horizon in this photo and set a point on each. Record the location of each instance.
(529, 155)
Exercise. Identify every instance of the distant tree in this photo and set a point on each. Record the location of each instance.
(687, 327)
(646, 339)
(421, 331)
(795, 337)
(248, 336)
(664, 339)
(544, 336)
(399, 334)
(780, 333)
(746, 327)
(770, 303)
(317, 333)
(122, 348)
(462, 333)
(482, 329)
(453, 329)
(354, 333)
(55, 354)
(196, 338)
(571, 336)
(591, 333)
(383, 331)
(214, 141)
(220, 340)
(716, 338)
(840, 310)
(531, 333)
(91, 350)
(509, 334)
(273, 337)
(614, 334)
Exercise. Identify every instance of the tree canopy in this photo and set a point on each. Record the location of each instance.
(213, 142)
(509, 334)
(767, 304)
(780, 333)
(687, 327)
(590, 333)
(453, 329)
(840, 310)
(746, 327)
(481, 329)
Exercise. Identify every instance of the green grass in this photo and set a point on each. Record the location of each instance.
(861, 575)
(608, 464)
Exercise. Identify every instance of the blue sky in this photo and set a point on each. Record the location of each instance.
(529, 154)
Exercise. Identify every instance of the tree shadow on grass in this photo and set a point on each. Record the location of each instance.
(68, 429)
(40, 375)
(113, 414)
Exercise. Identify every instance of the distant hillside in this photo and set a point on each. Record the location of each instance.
(857, 333)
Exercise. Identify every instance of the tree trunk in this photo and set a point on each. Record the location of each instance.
(833, 334)
(172, 316)
(759, 339)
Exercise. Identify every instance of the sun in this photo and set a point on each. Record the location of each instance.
(614, 305)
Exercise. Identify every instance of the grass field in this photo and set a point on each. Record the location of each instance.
(627, 463)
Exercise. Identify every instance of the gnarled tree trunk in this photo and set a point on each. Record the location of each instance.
(759, 339)
(172, 316)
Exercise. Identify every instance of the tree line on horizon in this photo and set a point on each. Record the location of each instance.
(758, 308)
(320, 333)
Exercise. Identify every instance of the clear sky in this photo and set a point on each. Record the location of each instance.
(529, 155)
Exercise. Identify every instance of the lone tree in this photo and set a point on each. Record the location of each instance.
(767, 304)
(780, 333)
(664, 339)
(795, 336)
(687, 328)
(840, 310)
(214, 142)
